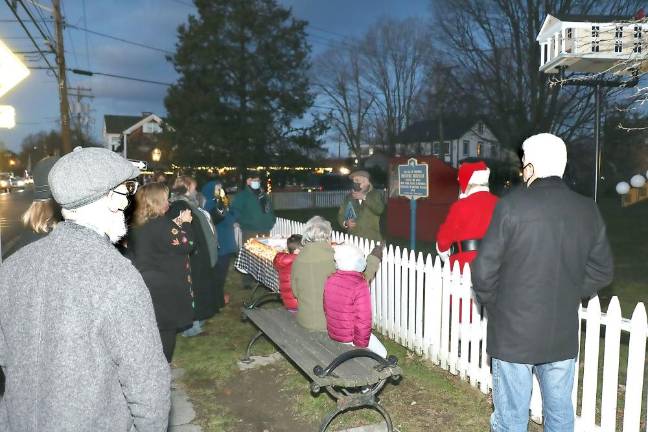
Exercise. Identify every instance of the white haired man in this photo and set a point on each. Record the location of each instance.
(78, 342)
(546, 248)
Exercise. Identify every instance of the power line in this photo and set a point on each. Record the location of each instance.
(110, 75)
(22, 24)
(85, 24)
(141, 45)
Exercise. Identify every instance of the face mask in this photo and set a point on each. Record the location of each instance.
(255, 185)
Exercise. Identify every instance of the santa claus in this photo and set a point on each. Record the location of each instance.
(468, 219)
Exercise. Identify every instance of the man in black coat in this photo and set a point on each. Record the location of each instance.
(546, 249)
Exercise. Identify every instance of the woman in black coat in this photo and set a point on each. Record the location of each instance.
(160, 247)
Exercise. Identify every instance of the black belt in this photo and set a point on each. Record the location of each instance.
(464, 246)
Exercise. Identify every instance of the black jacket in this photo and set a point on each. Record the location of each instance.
(160, 250)
(546, 248)
(207, 299)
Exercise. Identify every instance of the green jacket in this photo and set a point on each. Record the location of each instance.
(246, 206)
(311, 268)
(368, 215)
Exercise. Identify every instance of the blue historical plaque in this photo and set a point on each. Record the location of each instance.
(413, 180)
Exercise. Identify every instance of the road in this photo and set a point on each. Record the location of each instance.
(12, 206)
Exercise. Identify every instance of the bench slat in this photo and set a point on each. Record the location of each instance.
(308, 349)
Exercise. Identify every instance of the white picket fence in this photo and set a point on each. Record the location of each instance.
(411, 305)
(302, 200)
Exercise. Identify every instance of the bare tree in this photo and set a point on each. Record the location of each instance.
(340, 81)
(492, 45)
(395, 54)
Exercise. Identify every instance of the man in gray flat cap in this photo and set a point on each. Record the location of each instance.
(78, 341)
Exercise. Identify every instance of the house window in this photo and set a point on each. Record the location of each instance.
(446, 148)
(618, 46)
(151, 128)
(595, 46)
(466, 146)
(436, 148)
(546, 53)
(569, 33)
(637, 47)
(638, 32)
(595, 31)
(480, 127)
(618, 32)
(479, 148)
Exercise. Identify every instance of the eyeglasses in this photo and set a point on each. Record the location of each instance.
(131, 188)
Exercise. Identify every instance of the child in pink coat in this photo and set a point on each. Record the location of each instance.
(347, 301)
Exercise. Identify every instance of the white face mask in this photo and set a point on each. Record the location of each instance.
(255, 185)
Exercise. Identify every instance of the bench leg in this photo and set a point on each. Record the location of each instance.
(342, 408)
(250, 299)
(247, 358)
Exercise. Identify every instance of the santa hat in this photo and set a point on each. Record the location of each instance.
(473, 173)
(547, 153)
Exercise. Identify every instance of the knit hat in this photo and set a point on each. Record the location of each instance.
(349, 258)
(41, 170)
(547, 153)
(86, 174)
(473, 173)
(360, 173)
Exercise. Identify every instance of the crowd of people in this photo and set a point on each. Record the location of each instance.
(88, 329)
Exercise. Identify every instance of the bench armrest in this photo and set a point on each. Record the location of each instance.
(356, 353)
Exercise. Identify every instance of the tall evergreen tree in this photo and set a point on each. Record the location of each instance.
(243, 86)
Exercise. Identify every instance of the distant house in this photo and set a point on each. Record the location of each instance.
(463, 138)
(118, 127)
(591, 43)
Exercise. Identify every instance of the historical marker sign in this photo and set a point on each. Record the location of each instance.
(413, 180)
(413, 184)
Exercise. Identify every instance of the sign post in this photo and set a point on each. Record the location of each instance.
(413, 184)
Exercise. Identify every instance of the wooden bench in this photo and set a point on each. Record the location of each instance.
(352, 376)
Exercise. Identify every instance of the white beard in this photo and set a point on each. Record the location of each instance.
(99, 217)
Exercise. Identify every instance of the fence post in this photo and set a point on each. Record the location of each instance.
(590, 371)
(611, 366)
(635, 372)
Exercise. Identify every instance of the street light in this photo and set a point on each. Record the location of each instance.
(12, 162)
(156, 154)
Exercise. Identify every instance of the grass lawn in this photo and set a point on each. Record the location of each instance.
(277, 397)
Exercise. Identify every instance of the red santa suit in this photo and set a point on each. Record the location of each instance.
(468, 219)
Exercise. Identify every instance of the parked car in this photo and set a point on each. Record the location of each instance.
(5, 182)
(17, 183)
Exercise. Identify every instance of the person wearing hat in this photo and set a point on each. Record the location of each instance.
(79, 344)
(545, 250)
(459, 236)
(361, 209)
(44, 213)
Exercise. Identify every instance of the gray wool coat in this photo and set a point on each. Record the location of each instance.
(78, 341)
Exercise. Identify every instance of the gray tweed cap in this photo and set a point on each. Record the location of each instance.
(86, 174)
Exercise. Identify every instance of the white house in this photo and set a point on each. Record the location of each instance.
(588, 43)
(463, 138)
(117, 128)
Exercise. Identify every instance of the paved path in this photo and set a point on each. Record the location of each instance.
(182, 412)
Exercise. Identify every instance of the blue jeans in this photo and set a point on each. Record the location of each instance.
(512, 385)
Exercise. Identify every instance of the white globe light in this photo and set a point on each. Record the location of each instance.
(622, 188)
(638, 181)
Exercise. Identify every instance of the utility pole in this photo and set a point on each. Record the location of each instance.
(60, 62)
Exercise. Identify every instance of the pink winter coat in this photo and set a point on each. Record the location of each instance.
(347, 306)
